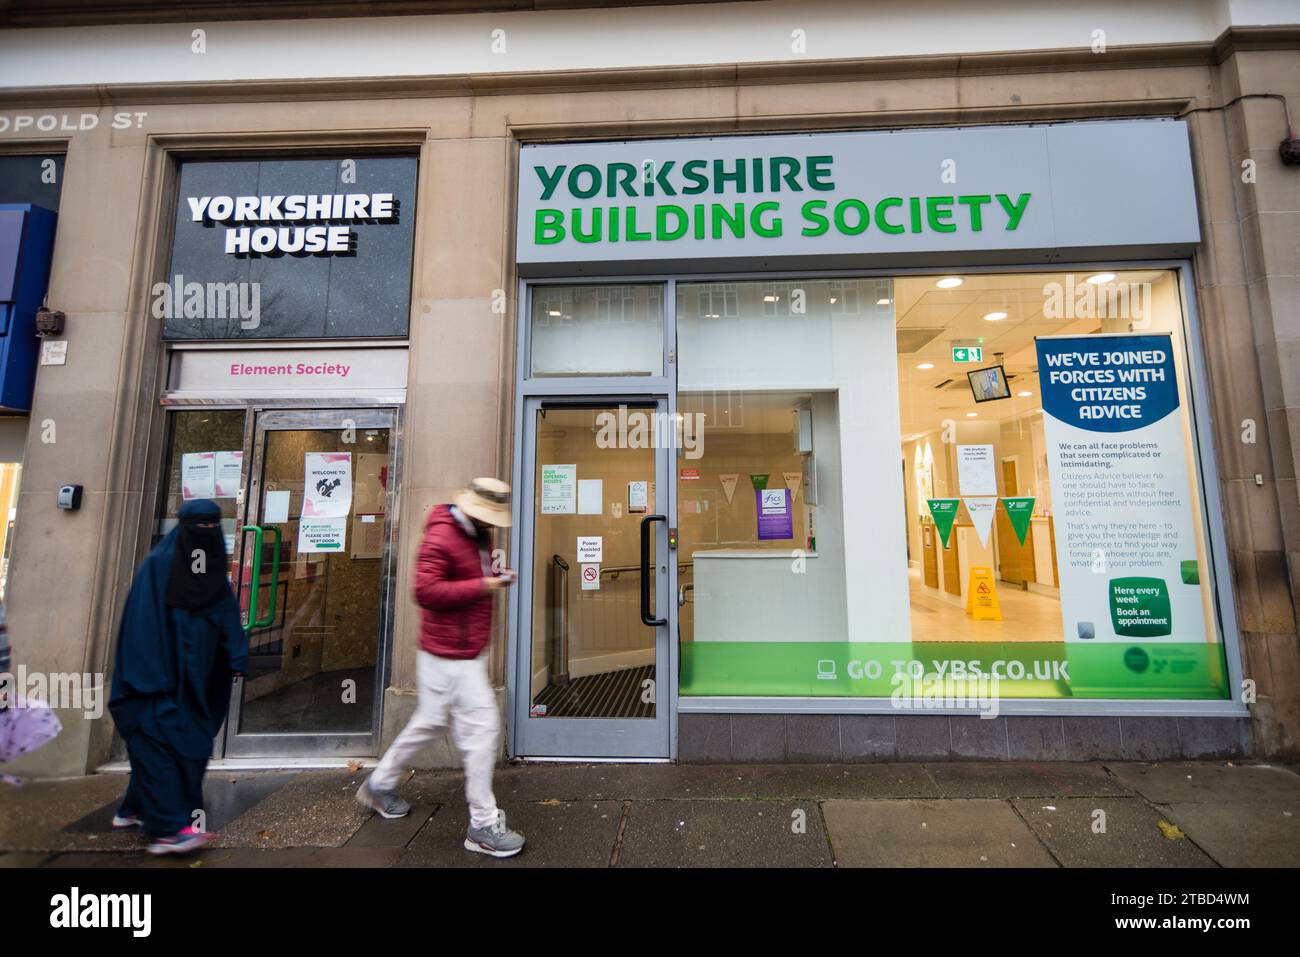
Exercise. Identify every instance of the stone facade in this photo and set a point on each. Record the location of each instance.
(70, 571)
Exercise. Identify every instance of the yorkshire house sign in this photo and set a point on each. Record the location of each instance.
(1072, 188)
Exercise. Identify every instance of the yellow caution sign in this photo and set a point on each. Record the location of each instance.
(982, 595)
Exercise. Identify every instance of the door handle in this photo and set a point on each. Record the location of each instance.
(645, 571)
(255, 579)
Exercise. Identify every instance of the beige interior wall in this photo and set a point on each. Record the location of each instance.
(457, 417)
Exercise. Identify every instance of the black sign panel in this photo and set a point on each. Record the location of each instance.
(290, 249)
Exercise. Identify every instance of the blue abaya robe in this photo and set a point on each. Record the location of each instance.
(171, 685)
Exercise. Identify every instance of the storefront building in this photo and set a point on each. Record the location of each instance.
(857, 407)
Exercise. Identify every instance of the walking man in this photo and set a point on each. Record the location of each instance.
(454, 586)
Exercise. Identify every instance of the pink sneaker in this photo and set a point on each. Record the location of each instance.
(182, 843)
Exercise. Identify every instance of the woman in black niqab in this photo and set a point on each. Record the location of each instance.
(179, 647)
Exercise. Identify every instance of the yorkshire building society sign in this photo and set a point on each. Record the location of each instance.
(847, 198)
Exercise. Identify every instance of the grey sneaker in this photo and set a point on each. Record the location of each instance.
(495, 839)
(386, 803)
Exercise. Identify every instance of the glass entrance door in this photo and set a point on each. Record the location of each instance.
(594, 610)
(313, 580)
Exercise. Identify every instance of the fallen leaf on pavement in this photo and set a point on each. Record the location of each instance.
(1170, 831)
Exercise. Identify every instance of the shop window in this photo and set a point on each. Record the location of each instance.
(205, 459)
(290, 249)
(933, 532)
(604, 329)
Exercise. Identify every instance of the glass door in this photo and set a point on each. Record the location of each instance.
(314, 583)
(595, 614)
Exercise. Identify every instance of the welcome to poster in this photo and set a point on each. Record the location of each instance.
(1126, 539)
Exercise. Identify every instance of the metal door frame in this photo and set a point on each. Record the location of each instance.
(592, 738)
(294, 417)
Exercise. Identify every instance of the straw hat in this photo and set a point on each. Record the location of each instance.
(486, 499)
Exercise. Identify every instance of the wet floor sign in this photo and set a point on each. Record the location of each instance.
(982, 595)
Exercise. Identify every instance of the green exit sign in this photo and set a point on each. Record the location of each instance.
(967, 353)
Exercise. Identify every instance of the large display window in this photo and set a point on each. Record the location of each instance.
(942, 488)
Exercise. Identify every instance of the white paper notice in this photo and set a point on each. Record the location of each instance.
(981, 516)
(638, 495)
(229, 467)
(591, 496)
(327, 485)
(729, 480)
(591, 578)
(276, 509)
(589, 549)
(975, 473)
(559, 489)
(198, 476)
(326, 502)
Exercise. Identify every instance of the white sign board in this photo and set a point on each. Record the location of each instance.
(589, 549)
(559, 489)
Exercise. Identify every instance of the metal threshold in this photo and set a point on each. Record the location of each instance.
(259, 764)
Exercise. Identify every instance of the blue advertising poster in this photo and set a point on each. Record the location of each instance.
(1126, 544)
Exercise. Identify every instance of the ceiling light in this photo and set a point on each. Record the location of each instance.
(995, 316)
(1098, 278)
(883, 302)
(1023, 394)
(925, 365)
(770, 298)
(553, 312)
(949, 282)
(971, 415)
(833, 300)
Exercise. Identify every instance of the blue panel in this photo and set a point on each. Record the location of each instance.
(24, 277)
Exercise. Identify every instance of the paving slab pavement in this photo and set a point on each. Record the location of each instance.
(1128, 835)
(1242, 835)
(724, 834)
(560, 833)
(974, 832)
(1187, 782)
(707, 815)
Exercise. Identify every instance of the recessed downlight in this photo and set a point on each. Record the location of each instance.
(1098, 278)
(1024, 395)
(949, 282)
(925, 365)
(971, 415)
(994, 316)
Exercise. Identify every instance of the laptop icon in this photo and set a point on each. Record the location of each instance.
(825, 669)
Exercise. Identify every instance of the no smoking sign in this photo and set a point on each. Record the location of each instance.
(591, 578)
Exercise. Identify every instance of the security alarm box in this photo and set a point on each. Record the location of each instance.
(70, 497)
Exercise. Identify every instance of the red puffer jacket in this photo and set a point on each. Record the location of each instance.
(449, 588)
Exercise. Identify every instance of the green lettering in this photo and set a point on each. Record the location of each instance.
(548, 182)
(819, 173)
(632, 235)
(812, 213)
(914, 207)
(662, 232)
(975, 204)
(625, 180)
(841, 221)
(937, 212)
(691, 171)
(592, 190)
(785, 168)
(884, 225)
(1013, 211)
(664, 185)
(548, 227)
(721, 177)
(773, 229)
(735, 220)
(596, 217)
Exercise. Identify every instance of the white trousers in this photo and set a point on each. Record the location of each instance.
(459, 690)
